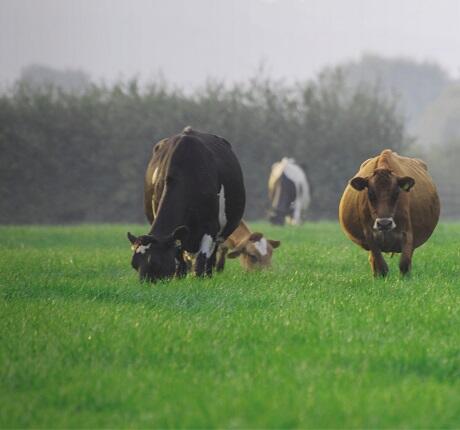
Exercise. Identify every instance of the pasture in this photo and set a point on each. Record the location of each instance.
(315, 342)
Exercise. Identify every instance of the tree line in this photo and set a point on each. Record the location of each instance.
(81, 156)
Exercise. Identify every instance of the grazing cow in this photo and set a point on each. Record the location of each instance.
(289, 192)
(254, 250)
(194, 198)
(391, 205)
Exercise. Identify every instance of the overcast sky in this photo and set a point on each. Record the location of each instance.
(190, 40)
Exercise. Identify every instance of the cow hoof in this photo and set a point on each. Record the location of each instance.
(382, 273)
(405, 266)
(405, 271)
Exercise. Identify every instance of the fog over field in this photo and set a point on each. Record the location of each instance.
(189, 41)
(307, 79)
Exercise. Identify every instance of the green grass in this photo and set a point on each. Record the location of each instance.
(315, 342)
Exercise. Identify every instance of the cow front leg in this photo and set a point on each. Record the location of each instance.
(222, 254)
(207, 250)
(200, 264)
(378, 264)
(211, 262)
(297, 216)
(181, 265)
(407, 250)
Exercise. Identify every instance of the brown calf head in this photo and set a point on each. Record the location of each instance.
(383, 194)
(255, 252)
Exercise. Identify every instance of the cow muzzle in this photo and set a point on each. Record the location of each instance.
(384, 224)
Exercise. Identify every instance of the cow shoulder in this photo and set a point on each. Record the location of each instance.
(365, 163)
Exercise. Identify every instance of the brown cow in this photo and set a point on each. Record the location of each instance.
(397, 213)
(254, 250)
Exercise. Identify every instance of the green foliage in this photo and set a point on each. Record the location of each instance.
(314, 343)
(69, 157)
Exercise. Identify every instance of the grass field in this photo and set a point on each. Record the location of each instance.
(316, 342)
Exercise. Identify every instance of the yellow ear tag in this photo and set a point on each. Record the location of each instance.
(178, 242)
(133, 247)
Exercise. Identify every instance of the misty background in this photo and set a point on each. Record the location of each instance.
(87, 87)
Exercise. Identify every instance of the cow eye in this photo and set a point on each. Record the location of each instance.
(253, 258)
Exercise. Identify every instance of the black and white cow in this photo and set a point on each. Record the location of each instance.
(194, 198)
(289, 192)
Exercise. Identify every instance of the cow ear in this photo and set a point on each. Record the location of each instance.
(274, 243)
(255, 237)
(180, 233)
(359, 183)
(406, 183)
(235, 253)
(131, 238)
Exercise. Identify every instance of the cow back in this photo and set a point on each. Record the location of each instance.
(208, 165)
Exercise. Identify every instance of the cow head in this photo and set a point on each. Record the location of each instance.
(383, 193)
(255, 251)
(156, 258)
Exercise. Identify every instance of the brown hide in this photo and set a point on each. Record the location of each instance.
(242, 243)
(153, 187)
(241, 233)
(416, 211)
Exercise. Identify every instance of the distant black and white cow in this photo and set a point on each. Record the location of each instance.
(289, 192)
(194, 198)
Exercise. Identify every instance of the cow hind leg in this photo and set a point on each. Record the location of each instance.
(378, 264)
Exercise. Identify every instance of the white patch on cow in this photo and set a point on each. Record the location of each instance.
(222, 214)
(295, 173)
(155, 175)
(297, 215)
(142, 248)
(261, 246)
(154, 179)
(187, 129)
(207, 245)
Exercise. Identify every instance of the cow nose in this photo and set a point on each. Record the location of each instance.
(384, 224)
